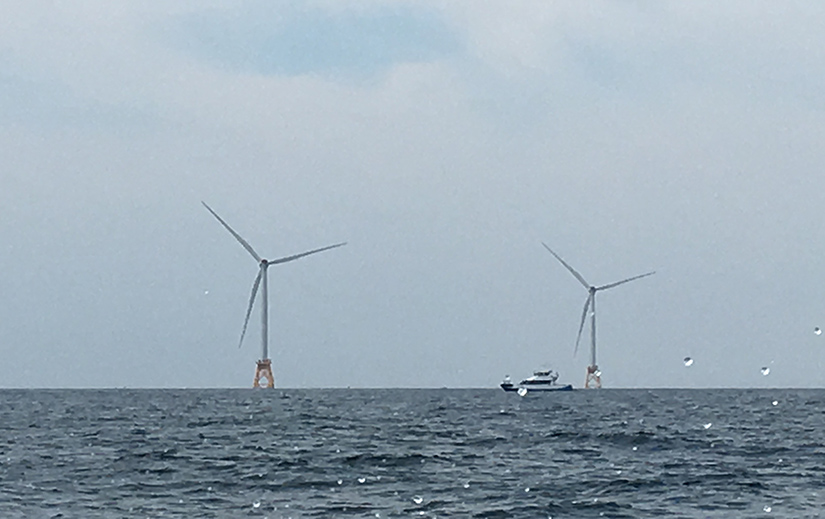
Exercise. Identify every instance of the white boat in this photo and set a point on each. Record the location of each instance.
(542, 380)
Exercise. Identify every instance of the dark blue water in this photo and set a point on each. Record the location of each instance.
(412, 453)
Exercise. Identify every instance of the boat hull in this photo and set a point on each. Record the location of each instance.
(536, 389)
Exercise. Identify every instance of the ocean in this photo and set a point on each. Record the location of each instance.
(385, 453)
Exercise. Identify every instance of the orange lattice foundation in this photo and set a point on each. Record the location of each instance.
(594, 378)
(264, 371)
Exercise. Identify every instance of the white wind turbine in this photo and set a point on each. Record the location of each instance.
(264, 369)
(593, 373)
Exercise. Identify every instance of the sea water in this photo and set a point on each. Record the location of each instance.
(412, 453)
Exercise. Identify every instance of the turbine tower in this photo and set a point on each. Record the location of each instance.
(593, 373)
(264, 367)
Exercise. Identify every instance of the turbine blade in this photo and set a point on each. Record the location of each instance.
(251, 302)
(581, 324)
(237, 236)
(611, 285)
(571, 269)
(301, 255)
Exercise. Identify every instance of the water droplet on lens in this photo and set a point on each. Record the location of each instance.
(688, 362)
(522, 391)
(256, 504)
(766, 371)
(817, 331)
(767, 509)
(418, 500)
(362, 480)
(707, 425)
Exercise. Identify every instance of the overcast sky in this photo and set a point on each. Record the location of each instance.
(444, 141)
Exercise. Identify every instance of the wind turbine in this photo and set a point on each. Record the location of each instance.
(593, 373)
(264, 369)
